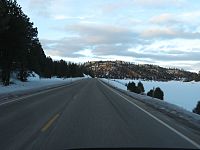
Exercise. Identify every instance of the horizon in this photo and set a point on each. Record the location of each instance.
(153, 32)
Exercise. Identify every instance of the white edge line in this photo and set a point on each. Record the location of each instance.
(38, 93)
(160, 121)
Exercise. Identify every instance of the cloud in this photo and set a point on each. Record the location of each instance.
(110, 7)
(160, 3)
(85, 52)
(105, 40)
(168, 33)
(164, 19)
(102, 34)
(169, 50)
(65, 17)
(63, 47)
(100, 39)
(188, 21)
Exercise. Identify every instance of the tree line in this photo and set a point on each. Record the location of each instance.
(21, 50)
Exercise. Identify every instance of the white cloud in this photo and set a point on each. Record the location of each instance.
(160, 3)
(166, 18)
(158, 32)
(64, 17)
(85, 52)
(168, 33)
(188, 21)
(101, 33)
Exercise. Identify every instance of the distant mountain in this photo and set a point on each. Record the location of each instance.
(121, 70)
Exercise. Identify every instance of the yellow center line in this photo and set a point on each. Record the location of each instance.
(50, 122)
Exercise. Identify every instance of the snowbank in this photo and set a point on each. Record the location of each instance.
(183, 94)
(34, 84)
(158, 104)
(87, 76)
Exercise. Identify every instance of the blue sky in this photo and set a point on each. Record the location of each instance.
(161, 32)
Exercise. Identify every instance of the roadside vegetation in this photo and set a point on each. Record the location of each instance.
(139, 89)
(156, 93)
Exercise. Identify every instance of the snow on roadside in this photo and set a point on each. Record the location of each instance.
(87, 76)
(158, 104)
(35, 82)
(183, 94)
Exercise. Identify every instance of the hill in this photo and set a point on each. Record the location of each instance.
(121, 70)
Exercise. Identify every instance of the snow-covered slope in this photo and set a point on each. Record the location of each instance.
(183, 94)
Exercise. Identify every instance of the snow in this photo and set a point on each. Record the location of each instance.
(35, 82)
(183, 94)
(87, 76)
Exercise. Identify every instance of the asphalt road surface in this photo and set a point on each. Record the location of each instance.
(86, 114)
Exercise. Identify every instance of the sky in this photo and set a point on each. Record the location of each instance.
(160, 32)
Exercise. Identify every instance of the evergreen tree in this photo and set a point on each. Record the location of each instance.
(197, 78)
(4, 51)
(141, 87)
(15, 38)
(36, 57)
(133, 88)
(150, 93)
(197, 108)
(158, 93)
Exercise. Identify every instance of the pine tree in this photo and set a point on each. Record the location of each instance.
(133, 88)
(141, 87)
(4, 51)
(150, 93)
(158, 93)
(16, 38)
(197, 108)
(36, 57)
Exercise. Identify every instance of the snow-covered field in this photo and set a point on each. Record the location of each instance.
(34, 82)
(183, 94)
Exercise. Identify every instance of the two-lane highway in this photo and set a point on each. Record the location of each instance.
(86, 114)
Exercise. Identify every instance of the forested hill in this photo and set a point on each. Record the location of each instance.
(121, 70)
(21, 50)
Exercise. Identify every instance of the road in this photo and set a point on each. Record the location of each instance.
(86, 114)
